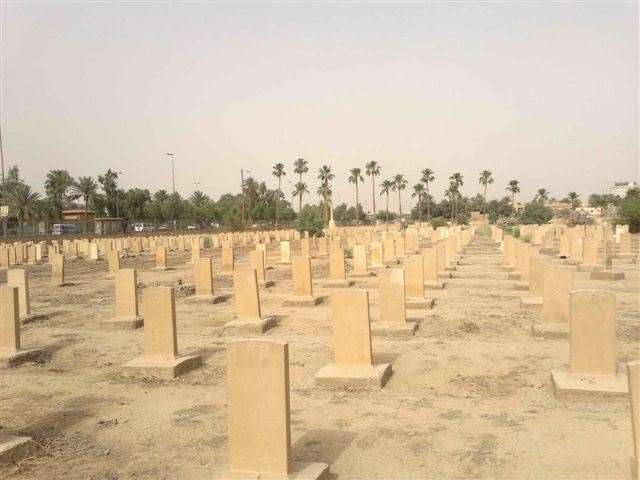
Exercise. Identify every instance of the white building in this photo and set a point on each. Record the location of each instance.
(619, 188)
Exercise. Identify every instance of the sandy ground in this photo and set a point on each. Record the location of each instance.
(470, 396)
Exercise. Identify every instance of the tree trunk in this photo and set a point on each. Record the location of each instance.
(399, 203)
(357, 212)
(373, 194)
(485, 198)
(419, 212)
(278, 200)
(428, 203)
(387, 212)
(300, 204)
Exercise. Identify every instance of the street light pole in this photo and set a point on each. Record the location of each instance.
(118, 201)
(242, 190)
(4, 197)
(173, 184)
(173, 173)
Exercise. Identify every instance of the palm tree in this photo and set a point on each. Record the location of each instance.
(299, 191)
(428, 177)
(486, 178)
(419, 191)
(399, 184)
(573, 198)
(372, 169)
(56, 185)
(87, 188)
(451, 193)
(198, 198)
(456, 180)
(542, 195)
(385, 187)
(355, 177)
(23, 201)
(324, 190)
(325, 176)
(278, 171)
(513, 187)
(301, 167)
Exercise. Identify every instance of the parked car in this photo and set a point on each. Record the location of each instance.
(143, 227)
(164, 226)
(64, 229)
(192, 227)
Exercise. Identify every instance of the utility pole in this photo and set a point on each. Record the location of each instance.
(173, 173)
(4, 197)
(173, 184)
(242, 190)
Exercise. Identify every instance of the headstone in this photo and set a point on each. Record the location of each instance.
(393, 314)
(161, 258)
(353, 360)
(259, 414)
(57, 270)
(556, 301)
(430, 270)
(414, 276)
(127, 314)
(593, 368)
(20, 279)
(113, 259)
(203, 276)
(11, 353)
(302, 285)
(160, 358)
(249, 319)
(285, 252)
(359, 261)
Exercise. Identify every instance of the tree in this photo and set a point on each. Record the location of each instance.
(87, 188)
(573, 198)
(427, 178)
(198, 199)
(310, 219)
(385, 187)
(325, 176)
(299, 191)
(109, 184)
(514, 187)
(486, 179)
(355, 177)
(451, 193)
(300, 167)
(399, 184)
(629, 210)
(324, 191)
(419, 191)
(604, 200)
(535, 213)
(372, 169)
(541, 196)
(56, 186)
(455, 184)
(278, 172)
(23, 202)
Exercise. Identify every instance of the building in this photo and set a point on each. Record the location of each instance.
(619, 188)
(78, 214)
(557, 206)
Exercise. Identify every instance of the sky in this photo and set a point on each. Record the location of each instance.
(546, 93)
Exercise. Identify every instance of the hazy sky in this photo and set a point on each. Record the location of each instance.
(544, 93)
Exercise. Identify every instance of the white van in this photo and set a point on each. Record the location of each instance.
(64, 229)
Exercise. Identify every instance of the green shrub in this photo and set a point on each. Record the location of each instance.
(310, 219)
(439, 222)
